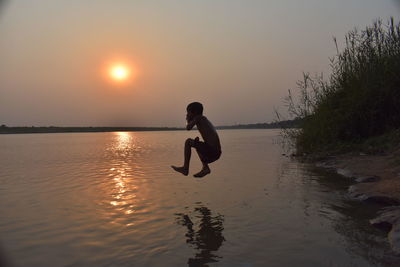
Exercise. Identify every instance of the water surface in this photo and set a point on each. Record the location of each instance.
(111, 199)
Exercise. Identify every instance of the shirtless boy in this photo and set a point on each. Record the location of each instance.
(209, 150)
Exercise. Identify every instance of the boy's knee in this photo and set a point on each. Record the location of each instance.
(189, 142)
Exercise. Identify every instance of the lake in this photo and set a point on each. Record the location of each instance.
(111, 199)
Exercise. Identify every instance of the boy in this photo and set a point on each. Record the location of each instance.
(209, 150)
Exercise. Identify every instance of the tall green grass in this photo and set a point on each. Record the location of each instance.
(360, 99)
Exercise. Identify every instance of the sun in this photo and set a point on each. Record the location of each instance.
(119, 72)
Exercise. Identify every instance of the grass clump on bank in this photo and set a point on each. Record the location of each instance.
(361, 98)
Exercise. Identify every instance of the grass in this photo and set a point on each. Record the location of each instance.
(359, 102)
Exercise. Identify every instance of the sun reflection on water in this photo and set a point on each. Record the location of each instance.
(124, 173)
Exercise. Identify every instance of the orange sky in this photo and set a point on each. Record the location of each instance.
(236, 57)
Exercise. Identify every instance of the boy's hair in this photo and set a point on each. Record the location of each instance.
(196, 108)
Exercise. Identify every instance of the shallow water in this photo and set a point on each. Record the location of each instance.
(111, 199)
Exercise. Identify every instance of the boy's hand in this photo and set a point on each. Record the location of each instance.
(191, 121)
(188, 118)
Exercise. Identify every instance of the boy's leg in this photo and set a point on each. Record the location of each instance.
(204, 171)
(187, 154)
(202, 152)
(207, 155)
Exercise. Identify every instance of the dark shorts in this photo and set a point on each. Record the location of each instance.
(207, 153)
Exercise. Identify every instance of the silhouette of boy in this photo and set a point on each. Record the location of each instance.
(209, 150)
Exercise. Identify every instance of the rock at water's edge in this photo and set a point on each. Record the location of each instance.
(367, 179)
(358, 192)
(390, 215)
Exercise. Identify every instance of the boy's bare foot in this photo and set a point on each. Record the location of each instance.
(202, 173)
(181, 170)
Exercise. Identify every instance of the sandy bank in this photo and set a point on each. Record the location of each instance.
(377, 179)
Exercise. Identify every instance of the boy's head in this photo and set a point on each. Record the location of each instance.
(195, 109)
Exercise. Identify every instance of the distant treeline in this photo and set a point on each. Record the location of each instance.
(53, 129)
(273, 125)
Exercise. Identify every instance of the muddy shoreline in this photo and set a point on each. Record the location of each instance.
(377, 180)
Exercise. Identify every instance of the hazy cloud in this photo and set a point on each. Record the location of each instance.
(2, 4)
(397, 2)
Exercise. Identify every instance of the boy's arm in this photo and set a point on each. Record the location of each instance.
(192, 123)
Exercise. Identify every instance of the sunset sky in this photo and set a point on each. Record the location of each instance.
(139, 63)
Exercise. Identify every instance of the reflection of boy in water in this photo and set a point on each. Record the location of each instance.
(209, 150)
(207, 238)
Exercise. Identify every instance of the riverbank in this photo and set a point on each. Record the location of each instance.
(377, 179)
(350, 120)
